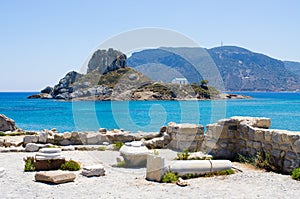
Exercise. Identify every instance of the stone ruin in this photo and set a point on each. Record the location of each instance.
(225, 139)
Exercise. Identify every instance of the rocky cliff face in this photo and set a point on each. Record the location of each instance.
(104, 61)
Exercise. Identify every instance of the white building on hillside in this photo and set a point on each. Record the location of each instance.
(180, 81)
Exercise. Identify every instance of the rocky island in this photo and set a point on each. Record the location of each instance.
(109, 78)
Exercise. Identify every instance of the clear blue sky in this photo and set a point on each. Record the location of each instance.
(42, 40)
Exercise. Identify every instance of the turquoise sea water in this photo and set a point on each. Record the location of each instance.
(37, 114)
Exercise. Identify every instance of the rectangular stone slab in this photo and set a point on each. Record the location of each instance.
(56, 177)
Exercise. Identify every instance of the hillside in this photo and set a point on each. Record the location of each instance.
(151, 61)
(293, 67)
(240, 69)
(109, 78)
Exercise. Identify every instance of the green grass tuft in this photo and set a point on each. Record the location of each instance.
(169, 177)
(296, 174)
(101, 148)
(29, 164)
(183, 156)
(70, 165)
(117, 145)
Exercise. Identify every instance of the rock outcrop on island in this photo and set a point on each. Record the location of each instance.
(109, 78)
(104, 61)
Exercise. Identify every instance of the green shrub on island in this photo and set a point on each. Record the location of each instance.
(29, 164)
(70, 165)
(296, 174)
(2, 134)
(169, 177)
(117, 145)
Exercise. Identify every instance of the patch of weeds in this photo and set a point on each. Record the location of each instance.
(53, 146)
(117, 145)
(29, 164)
(296, 174)
(155, 152)
(224, 172)
(11, 134)
(244, 159)
(217, 173)
(15, 134)
(169, 177)
(183, 156)
(263, 160)
(70, 165)
(260, 160)
(101, 148)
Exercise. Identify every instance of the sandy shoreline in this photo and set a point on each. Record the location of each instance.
(131, 183)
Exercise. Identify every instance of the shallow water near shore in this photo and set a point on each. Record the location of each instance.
(37, 114)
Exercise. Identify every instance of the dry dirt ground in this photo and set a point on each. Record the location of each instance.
(131, 183)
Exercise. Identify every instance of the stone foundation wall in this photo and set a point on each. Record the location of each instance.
(185, 136)
(88, 138)
(248, 136)
(225, 139)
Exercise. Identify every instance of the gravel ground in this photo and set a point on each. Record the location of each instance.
(131, 183)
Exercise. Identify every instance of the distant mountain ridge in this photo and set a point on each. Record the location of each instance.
(239, 68)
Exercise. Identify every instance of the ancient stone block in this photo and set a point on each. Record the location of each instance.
(83, 136)
(259, 135)
(184, 137)
(257, 145)
(268, 136)
(135, 154)
(95, 170)
(65, 142)
(296, 146)
(241, 142)
(67, 135)
(48, 164)
(43, 137)
(284, 147)
(249, 143)
(30, 139)
(267, 146)
(155, 168)
(290, 155)
(275, 153)
(210, 143)
(32, 147)
(285, 137)
(91, 138)
(190, 129)
(56, 177)
(276, 138)
(217, 131)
